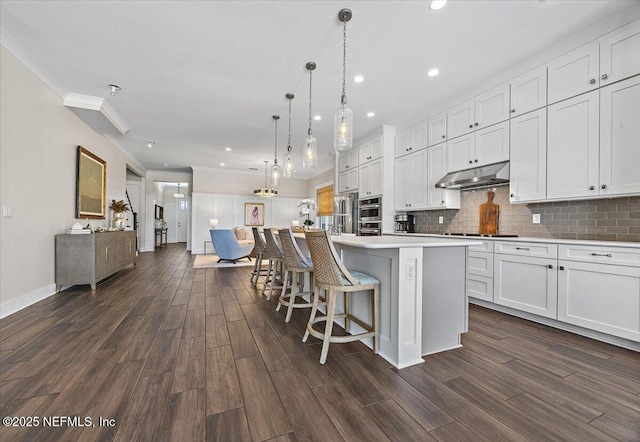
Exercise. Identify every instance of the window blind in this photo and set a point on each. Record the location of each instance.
(325, 201)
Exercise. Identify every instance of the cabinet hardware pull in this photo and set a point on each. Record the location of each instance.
(129, 247)
(476, 160)
(106, 254)
(471, 126)
(523, 248)
(513, 111)
(592, 187)
(604, 76)
(444, 136)
(512, 195)
(476, 124)
(604, 186)
(347, 166)
(561, 268)
(606, 255)
(470, 161)
(592, 81)
(550, 266)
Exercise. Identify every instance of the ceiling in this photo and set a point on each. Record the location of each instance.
(197, 77)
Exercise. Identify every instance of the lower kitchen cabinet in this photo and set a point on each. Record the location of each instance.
(526, 283)
(480, 271)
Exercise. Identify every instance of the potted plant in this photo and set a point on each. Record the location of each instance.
(306, 207)
(119, 208)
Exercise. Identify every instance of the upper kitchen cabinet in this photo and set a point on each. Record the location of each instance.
(348, 181)
(437, 129)
(528, 157)
(574, 73)
(620, 54)
(371, 179)
(411, 181)
(411, 140)
(438, 198)
(529, 91)
(348, 160)
(370, 151)
(486, 109)
(486, 146)
(572, 147)
(620, 138)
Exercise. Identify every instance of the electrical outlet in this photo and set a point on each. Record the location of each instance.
(411, 270)
(536, 218)
(7, 211)
(440, 219)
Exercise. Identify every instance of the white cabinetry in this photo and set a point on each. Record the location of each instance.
(371, 179)
(620, 137)
(599, 289)
(348, 160)
(438, 198)
(437, 129)
(411, 181)
(460, 119)
(485, 146)
(480, 271)
(529, 91)
(411, 140)
(574, 73)
(370, 151)
(572, 146)
(348, 181)
(620, 54)
(525, 277)
(486, 109)
(528, 166)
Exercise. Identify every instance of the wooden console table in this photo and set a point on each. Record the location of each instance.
(161, 237)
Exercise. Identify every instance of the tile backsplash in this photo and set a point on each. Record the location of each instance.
(610, 219)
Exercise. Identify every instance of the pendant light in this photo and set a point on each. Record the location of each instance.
(276, 171)
(310, 156)
(343, 130)
(289, 160)
(266, 191)
(178, 194)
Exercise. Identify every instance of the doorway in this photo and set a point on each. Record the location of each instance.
(173, 202)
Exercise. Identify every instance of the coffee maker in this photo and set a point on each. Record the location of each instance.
(405, 223)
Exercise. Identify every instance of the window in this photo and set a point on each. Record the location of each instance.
(325, 201)
(184, 205)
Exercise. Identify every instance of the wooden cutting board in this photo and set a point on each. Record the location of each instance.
(489, 214)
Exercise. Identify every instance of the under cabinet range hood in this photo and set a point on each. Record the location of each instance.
(489, 175)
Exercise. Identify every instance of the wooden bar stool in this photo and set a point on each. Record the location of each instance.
(296, 265)
(331, 276)
(276, 260)
(260, 249)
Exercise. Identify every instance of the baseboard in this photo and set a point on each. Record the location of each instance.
(10, 307)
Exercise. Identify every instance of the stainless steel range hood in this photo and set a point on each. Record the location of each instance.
(490, 175)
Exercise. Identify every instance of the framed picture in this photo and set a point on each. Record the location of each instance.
(253, 214)
(91, 186)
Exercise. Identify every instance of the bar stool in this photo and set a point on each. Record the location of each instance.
(296, 265)
(331, 276)
(260, 251)
(276, 260)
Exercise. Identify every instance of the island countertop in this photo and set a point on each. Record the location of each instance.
(395, 242)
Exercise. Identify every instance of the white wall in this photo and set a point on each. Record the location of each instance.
(38, 148)
(224, 182)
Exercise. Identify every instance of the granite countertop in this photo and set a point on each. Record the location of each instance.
(397, 242)
(592, 243)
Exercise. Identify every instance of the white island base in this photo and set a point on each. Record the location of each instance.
(423, 306)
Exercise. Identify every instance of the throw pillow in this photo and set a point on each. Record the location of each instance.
(241, 234)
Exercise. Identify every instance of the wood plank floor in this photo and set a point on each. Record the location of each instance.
(172, 353)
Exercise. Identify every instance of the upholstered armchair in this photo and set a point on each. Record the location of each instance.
(227, 246)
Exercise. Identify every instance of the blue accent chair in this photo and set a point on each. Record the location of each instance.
(227, 246)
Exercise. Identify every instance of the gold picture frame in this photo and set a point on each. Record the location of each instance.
(91, 186)
(253, 214)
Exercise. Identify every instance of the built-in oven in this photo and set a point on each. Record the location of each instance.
(370, 217)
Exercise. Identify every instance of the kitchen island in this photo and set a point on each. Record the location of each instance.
(423, 306)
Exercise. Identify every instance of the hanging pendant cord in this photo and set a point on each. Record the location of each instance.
(275, 151)
(310, 90)
(344, 64)
(289, 139)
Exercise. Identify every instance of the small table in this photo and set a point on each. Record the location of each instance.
(161, 235)
(205, 245)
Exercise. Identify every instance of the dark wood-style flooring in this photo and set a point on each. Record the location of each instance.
(172, 353)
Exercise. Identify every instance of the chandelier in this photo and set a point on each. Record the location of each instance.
(266, 191)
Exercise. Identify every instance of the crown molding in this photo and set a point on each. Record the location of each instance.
(105, 115)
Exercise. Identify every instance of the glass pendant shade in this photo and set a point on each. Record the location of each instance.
(343, 135)
(289, 168)
(310, 156)
(276, 173)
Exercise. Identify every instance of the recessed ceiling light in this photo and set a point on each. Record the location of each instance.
(433, 72)
(358, 78)
(165, 164)
(437, 4)
(222, 164)
(318, 117)
(371, 114)
(150, 144)
(253, 168)
(228, 149)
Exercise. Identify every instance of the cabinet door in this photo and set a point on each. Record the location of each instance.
(402, 143)
(102, 255)
(343, 182)
(375, 149)
(620, 54)
(574, 73)
(586, 298)
(460, 119)
(401, 183)
(492, 144)
(620, 138)
(418, 137)
(343, 161)
(572, 147)
(436, 169)
(460, 153)
(418, 180)
(526, 283)
(353, 180)
(480, 287)
(376, 177)
(437, 129)
(529, 91)
(364, 153)
(492, 107)
(528, 165)
(365, 179)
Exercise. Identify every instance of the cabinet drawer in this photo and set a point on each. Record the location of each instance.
(480, 263)
(482, 246)
(601, 255)
(527, 249)
(480, 287)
